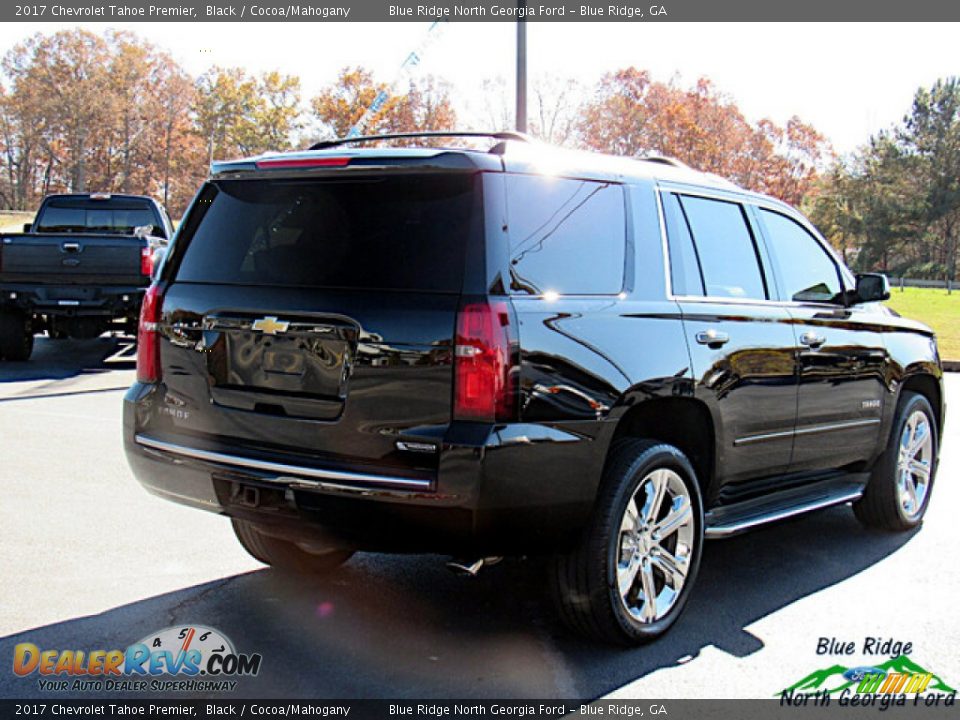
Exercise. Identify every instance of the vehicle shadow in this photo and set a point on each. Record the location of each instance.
(64, 359)
(404, 627)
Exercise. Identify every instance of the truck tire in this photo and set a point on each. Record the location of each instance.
(628, 579)
(898, 492)
(16, 336)
(286, 555)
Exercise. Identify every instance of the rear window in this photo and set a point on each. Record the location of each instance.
(401, 233)
(97, 216)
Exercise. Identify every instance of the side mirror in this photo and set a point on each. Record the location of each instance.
(872, 287)
(27, 227)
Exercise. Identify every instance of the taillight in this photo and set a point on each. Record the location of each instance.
(148, 336)
(484, 357)
(146, 261)
(294, 163)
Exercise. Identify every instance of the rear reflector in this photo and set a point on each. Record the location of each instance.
(148, 336)
(289, 163)
(484, 364)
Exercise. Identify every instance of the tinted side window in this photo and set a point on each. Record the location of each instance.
(685, 277)
(725, 246)
(566, 236)
(807, 272)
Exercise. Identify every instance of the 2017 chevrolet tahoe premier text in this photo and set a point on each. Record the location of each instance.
(521, 351)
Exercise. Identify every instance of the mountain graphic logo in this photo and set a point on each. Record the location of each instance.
(837, 678)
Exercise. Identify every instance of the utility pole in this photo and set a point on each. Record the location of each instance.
(521, 67)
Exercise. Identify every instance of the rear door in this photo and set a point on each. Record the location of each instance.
(741, 343)
(840, 350)
(315, 317)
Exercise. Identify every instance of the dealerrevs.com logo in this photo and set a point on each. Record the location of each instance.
(186, 658)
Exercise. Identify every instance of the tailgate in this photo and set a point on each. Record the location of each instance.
(331, 378)
(69, 258)
(314, 320)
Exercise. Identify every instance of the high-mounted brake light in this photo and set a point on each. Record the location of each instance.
(146, 261)
(290, 163)
(148, 336)
(484, 363)
(99, 196)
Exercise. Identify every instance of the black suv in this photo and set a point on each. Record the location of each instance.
(517, 351)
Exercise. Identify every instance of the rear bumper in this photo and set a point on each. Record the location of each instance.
(73, 300)
(499, 490)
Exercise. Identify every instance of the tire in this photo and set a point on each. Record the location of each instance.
(16, 336)
(887, 502)
(287, 555)
(585, 582)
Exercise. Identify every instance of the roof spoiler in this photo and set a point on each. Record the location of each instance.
(500, 135)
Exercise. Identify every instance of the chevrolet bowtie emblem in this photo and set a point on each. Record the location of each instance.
(270, 325)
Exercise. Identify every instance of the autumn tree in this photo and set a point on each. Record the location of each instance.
(631, 114)
(239, 114)
(61, 78)
(26, 157)
(424, 105)
(126, 142)
(181, 160)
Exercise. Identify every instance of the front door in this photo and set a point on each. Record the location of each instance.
(840, 351)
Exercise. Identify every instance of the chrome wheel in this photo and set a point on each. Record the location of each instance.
(914, 464)
(656, 542)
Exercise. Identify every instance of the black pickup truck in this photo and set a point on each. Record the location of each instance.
(83, 264)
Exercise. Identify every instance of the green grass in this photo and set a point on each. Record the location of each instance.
(935, 308)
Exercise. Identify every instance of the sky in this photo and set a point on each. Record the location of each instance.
(848, 80)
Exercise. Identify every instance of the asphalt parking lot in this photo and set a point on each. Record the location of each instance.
(91, 561)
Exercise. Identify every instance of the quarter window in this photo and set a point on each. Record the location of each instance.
(729, 262)
(566, 236)
(807, 272)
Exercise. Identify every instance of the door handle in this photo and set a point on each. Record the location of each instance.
(812, 339)
(712, 338)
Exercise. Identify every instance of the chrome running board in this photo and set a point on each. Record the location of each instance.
(732, 520)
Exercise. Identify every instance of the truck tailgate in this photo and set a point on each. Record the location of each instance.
(71, 258)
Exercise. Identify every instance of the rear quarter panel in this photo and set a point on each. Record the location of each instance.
(586, 360)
